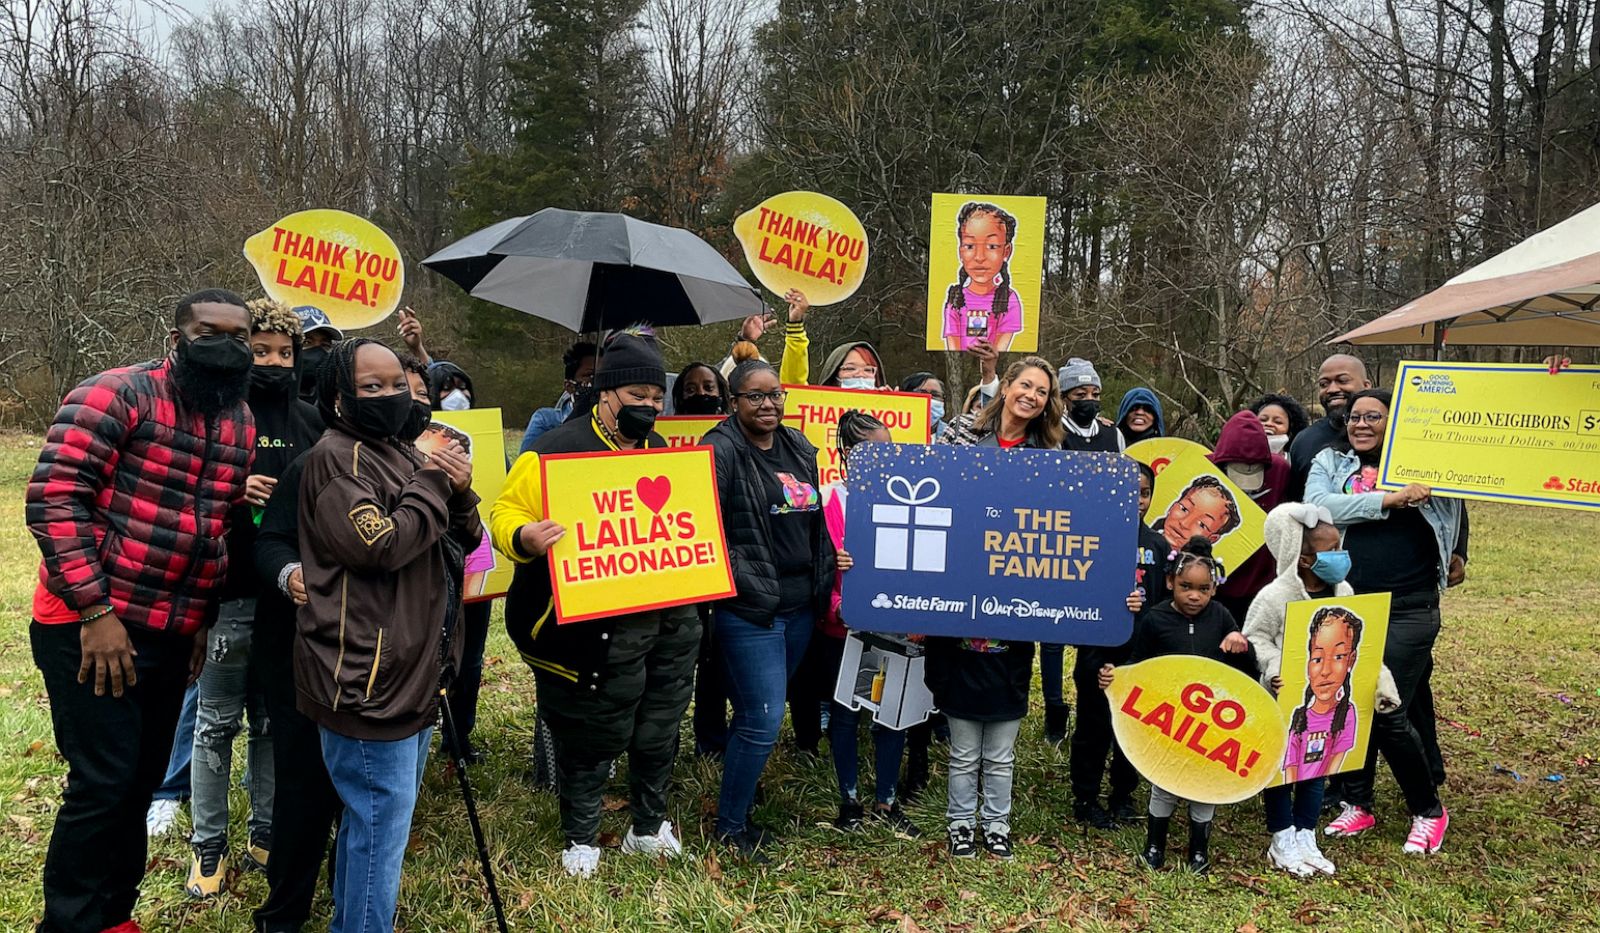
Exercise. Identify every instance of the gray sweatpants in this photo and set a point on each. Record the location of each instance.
(987, 750)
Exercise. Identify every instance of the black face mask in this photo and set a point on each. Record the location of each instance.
(310, 361)
(212, 372)
(700, 405)
(416, 422)
(635, 422)
(1083, 411)
(272, 380)
(377, 415)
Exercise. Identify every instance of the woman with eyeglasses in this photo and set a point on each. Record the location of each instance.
(1402, 543)
(783, 567)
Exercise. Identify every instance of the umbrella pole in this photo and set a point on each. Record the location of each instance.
(1439, 328)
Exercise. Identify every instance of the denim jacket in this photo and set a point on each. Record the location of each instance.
(1325, 487)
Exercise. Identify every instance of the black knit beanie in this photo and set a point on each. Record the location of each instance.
(630, 358)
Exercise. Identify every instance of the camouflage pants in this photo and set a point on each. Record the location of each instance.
(648, 680)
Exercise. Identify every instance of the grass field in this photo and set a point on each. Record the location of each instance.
(1516, 681)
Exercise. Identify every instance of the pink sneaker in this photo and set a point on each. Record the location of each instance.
(1352, 821)
(1427, 833)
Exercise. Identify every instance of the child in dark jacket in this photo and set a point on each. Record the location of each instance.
(1093, 739)
(1189, 623)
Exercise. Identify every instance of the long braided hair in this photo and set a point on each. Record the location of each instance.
(1329, 615)
(956, 296)
(854, 427)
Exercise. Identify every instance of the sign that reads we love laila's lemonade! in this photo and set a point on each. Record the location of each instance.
(644, 531)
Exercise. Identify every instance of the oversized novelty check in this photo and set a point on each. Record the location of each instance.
(1496, 432)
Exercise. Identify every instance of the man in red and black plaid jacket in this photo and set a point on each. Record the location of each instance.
(130, 504)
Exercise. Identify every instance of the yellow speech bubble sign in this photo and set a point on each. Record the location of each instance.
(1197, 728)
(334, 260)
(807, 241)
(1157, 452)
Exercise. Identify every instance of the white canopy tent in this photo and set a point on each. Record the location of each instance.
(1545, 291)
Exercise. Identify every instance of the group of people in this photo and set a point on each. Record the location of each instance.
(249, 522)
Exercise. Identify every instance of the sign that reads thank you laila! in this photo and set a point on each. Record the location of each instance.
(1027, 545)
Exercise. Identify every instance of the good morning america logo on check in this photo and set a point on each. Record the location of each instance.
(987, 543)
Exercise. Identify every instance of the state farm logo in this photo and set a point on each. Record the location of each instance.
(1554, 483)
(918, 603)
(1435, 384)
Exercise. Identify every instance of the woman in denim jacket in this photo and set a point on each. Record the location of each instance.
(1402, 543)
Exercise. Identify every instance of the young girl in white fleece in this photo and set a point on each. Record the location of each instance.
(1306, 545)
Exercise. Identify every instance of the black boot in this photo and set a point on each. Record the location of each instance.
(1200, 847)
(1055, 722)
(1123, 812)
(850, 815)
(1155, 842)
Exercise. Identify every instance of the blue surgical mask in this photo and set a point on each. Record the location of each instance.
(1331, 567)
(858, 382)
(937, 410)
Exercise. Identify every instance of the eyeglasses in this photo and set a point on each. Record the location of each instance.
(854, 369)
(776, 397)
(1367, 417)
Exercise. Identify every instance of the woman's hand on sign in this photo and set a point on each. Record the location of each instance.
(1277, 684)
(1104, 678)
(755, 326)
(845, 561)
(537, 538)
(798, 305)
(987, 356)
(1136, 600)
(1412, 495)
(258, 489)
(1235, 644)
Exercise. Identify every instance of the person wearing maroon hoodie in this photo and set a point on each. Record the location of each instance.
(1245, 456)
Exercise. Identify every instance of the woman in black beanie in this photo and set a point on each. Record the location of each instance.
(611, 686)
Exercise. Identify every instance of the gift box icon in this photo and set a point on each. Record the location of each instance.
(910, 535)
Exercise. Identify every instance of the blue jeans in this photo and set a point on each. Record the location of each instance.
(757, 661)
(176, 784)
(377, 782)
(1052, 668)
(1293, 806)
(887, 745)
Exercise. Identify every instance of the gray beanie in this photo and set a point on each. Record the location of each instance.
(1078, 372)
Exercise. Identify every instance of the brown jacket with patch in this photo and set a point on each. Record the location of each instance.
(379, 585)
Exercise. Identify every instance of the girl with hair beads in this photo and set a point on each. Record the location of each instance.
(981, 305)
(1188, 623)
(856, 427)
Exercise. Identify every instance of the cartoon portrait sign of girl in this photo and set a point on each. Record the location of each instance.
(986, 261)
(1332, 653)
(1193, 497)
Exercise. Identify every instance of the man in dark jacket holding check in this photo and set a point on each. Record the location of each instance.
(613, 685)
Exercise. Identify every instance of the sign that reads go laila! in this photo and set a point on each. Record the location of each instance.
(1026, 545)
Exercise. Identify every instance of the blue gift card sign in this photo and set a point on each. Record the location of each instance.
(1026, 545)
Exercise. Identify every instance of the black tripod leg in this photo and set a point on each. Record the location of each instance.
(460, 759)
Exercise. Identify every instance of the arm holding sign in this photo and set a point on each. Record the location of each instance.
(796, 364)
(517, 526)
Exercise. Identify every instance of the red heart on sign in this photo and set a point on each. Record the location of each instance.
(654, 493)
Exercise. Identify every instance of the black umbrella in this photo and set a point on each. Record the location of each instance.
(593, 271)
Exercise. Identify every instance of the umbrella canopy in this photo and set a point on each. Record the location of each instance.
(1545, 291)
(593, 271)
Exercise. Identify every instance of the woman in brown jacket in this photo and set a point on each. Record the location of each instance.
(382, 532)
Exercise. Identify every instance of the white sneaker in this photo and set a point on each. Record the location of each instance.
(1307, 840)
(160, 818)
(663, 844)
(1285, 853)
(580, 861)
